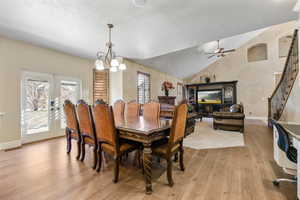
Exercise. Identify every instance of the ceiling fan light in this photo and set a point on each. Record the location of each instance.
(114, 62)
(122, 66)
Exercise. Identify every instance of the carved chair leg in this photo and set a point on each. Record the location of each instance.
(116, 169)
(169, 172)
(69, 143)
(78, 149)
(176, 157)
(181, 157)
(82, 150)
(95, 157)
(99, 158)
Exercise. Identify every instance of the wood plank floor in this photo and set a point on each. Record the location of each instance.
(44, 171)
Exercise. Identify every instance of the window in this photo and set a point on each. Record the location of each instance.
(143, 87)
(257, 52)
(101, 85)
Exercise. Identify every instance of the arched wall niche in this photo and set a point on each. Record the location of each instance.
(284, 44)
(257, 52)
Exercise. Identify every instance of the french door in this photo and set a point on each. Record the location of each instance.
(42, 101)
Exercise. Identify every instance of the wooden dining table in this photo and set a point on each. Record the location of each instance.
(146, 131)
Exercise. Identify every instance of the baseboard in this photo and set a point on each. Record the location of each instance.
(258, 118)
(292, 123)
(10, 145)
(40, 137)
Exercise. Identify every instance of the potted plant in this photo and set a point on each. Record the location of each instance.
(166, 86)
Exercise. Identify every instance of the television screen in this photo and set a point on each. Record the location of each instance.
(210, 97)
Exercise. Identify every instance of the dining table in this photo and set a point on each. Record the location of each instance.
(145, 131)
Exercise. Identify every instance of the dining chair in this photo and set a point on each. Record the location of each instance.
(72, 127)
(107, 137)
(119, 108)
(87, 129)
(173, 145)
(151, 110)
(132, 110)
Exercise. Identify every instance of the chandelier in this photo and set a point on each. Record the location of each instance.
(109, 59)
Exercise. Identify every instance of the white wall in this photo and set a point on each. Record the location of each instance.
(115, 86)
(16, 56)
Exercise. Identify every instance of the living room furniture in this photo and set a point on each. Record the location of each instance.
(151, 110)
(173, 145)
(294, 132)
(119, 108)
(87, 130)
(167, 110)
(107, 137)
(132, 109)
(191, 123)
(167, 99)
(72, 128)
(230, 120)
(145, 132)
(285, 154)
(227, 91)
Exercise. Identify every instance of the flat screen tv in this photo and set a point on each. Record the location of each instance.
(209, 96)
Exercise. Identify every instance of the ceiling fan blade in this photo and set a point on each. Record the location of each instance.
(209, 57)
(208, 53)
(227, 51)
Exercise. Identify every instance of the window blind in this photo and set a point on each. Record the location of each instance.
(101, 85)
(143, 87)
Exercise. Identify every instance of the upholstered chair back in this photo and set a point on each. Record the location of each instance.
(178, 123)
(85, 118)
(71, 118)
(151, 110)
(104, 122)
(119, 108)
(132, 109)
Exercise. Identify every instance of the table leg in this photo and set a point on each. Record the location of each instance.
(147, 162)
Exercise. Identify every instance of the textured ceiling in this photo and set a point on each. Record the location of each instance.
(161, 27)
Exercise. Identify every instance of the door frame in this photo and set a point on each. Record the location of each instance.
(54, 93)
(57, 94)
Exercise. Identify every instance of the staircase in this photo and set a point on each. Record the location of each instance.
(278, 100)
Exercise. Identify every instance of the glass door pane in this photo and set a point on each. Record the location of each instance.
(36, 105)
(69, 90)
(43, 96)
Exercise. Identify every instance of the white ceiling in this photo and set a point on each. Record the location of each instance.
(161, 27)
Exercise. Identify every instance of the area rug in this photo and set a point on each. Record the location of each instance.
(205, 137)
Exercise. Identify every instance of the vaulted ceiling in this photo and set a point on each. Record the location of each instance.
(160, 27)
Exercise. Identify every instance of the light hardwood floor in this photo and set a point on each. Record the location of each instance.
(44, 171)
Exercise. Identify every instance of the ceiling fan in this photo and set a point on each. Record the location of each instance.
(219, 52)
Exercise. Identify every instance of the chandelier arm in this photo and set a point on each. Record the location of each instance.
(108, 56)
